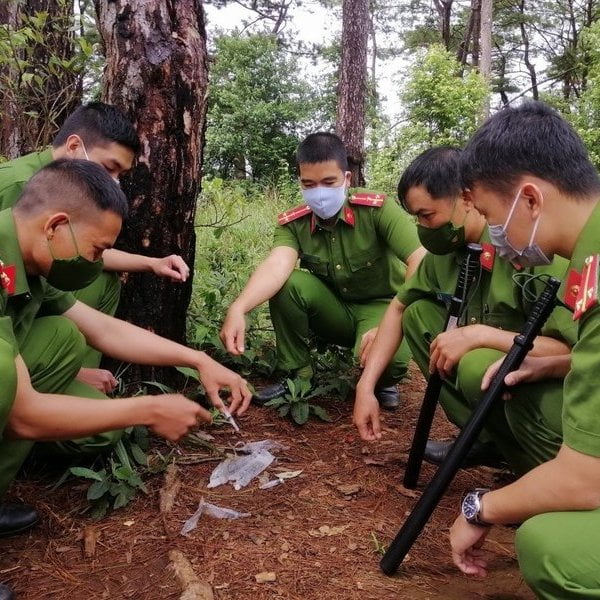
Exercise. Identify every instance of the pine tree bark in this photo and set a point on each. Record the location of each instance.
(157, 73)
(485, 63)
(352, 91)
(32, 114)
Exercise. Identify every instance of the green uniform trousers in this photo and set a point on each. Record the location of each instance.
(53, 351)
(8, 382)
(526, 429)
(305, 305)
(103, 295)
(559, 554)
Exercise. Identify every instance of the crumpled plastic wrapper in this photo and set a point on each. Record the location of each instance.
(217, 512)
(241, 470)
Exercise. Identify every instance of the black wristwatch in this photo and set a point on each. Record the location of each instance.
(471, 507)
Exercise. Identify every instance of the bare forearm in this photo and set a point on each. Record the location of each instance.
(569, 482)
(55, 417)
(387, 340)
(499, 339)
(267, 279)
(117, 260)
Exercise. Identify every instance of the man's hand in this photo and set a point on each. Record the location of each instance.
(366, 415)
(233, 332)
(466, 541)
(173, 415)
(215, 377)
(101, 379)
(365, 345)
(172, 266)
(450, 346)
(533, 368)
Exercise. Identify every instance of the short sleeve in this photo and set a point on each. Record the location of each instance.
(7, 335)
(422, 284)
(581, 398)
(397, 228)
(285, 236)
(10, 192)
(55, 302)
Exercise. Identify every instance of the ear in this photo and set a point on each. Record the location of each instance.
(467, 199)
(53, 222)
(347, 178)
(533, 197)
(73, 146)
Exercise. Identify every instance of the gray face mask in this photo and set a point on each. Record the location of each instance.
(530, 256)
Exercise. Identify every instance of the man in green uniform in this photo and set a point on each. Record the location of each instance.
(350, 250)
(100, 133)
(70, 212)
(530, 175)
(430, 189)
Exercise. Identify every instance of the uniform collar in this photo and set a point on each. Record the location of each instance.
(346, 215)
(10, 252)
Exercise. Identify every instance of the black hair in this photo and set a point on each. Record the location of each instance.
(74, 186)
(97, 124)
(529, 139)
(321, 147)
(438, 169)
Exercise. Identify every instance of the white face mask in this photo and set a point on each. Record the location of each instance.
(115, 179)
(325, 202)
(531, 255)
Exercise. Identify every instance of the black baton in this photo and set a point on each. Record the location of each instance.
(469, 272)
(426, 504)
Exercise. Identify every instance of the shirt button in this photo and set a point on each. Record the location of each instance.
(333, 239)
(27, 296)
(344, 289)
(368, 263)
(338, 267)
(473, 320)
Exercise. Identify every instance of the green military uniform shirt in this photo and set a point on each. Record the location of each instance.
(16, 173)
(581, 404)
(498, 300)
(360, 256)
(32, 296)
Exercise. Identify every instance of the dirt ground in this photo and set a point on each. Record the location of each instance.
(318, 533)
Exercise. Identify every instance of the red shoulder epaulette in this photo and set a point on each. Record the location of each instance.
(487, 256)
(582, 290)
(7, 278)
(293, 213)
(368, 199)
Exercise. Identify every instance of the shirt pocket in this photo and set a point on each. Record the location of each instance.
(314, 264)
(364, 260)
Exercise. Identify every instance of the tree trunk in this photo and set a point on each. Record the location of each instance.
(157, 73)
(33, 112)
(485, 45)
(352, 92)
(526, 58)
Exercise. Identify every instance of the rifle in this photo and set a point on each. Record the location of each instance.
(469, 270)
(426, 504)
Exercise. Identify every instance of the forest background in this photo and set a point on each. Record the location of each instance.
(221, 103)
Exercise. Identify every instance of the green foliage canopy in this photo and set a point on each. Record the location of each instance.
(257, 105)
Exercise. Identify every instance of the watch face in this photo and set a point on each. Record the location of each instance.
(470, 506)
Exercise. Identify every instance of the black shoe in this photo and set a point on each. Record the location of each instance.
(388, 397)
(6, 592)
(270, 392)
(16, 518)
(479, 455)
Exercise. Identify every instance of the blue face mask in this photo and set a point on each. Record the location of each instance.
(325, 202)
(530, 256)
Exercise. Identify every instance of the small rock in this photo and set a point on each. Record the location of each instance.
(265, 577)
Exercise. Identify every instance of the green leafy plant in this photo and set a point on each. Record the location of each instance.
(118, 478)
(295, 403)
(378, 547)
